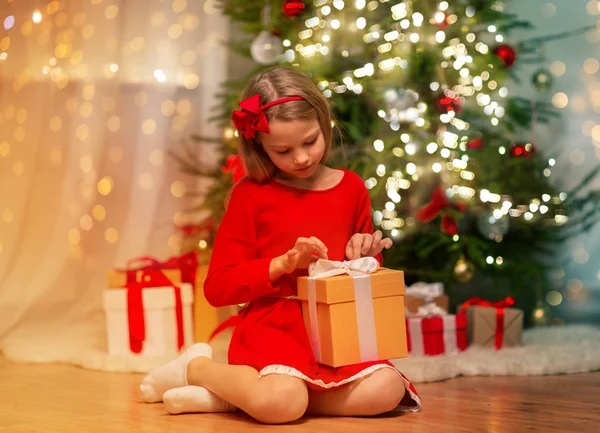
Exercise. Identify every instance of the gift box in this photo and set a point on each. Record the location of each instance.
(180, 269)
(149, 318)
(437, 335)
(493, 324)
(420, 294)
(353, 311)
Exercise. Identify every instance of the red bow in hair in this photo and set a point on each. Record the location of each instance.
(234, 164)
(438, 203)
(251, 117)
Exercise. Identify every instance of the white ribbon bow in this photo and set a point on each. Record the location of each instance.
(427, 310)
(425, 291)
(327, 268)
(359, 270)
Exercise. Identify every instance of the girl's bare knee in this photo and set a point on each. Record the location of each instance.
(279, 400)
(387, 390)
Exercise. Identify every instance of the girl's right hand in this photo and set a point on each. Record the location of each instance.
(305, 251)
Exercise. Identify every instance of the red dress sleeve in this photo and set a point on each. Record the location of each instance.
(235, 274)
(364, 216)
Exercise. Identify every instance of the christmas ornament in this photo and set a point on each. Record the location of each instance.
(476, 143)
(440, 203)
(266, 48)
(463, 271)
(234, 165)
(506, 53)
(292, 8)
(492, 227)
(522, 150)
(449, 101)
(542, 80)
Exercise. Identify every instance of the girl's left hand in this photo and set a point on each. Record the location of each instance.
(366, 245)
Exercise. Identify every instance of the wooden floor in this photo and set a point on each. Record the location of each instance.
(61, 398)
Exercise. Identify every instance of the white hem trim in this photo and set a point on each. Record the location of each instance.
(291, 371)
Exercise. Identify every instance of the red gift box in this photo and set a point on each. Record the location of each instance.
(438, 335)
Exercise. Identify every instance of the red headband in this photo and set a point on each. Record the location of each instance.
(252, 118)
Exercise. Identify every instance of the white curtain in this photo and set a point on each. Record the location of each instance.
(93, 94)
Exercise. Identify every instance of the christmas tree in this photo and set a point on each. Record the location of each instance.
(423, 113)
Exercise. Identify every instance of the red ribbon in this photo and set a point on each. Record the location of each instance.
(135, 308)
(509, 301)
(252, 118)
(438, 203)
(187, 264)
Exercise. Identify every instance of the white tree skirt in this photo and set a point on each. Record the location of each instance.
(545, 351)
(552, 350)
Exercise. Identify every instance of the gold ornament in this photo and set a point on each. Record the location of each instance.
(463, 270)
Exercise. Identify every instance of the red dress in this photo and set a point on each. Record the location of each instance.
(263, 222)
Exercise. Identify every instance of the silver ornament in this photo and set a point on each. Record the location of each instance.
(266, 48)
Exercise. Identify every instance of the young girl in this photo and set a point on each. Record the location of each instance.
(288, 212)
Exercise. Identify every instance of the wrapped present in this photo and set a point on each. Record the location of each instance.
(180, 269)
(420, 294)
(353, 311)
(151, 317)
(493, 324)
(436, 335)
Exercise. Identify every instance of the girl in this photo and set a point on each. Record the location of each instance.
(289, 211)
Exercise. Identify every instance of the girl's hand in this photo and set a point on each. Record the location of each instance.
(305, 251)
(366, 245)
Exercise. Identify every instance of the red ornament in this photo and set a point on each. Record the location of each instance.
(506, 53)
(292, 8)
(522, 150)
(449, 101)
(234, 164)
(439, 203)
(476, 143)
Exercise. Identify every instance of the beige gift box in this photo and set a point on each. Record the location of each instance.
(483, 327)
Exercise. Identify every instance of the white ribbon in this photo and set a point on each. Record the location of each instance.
(425, 291)
(427, 310)
(450, 340)
(417, 347)
(359, 270)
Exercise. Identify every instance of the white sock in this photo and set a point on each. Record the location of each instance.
(188, 399)
(171, 375)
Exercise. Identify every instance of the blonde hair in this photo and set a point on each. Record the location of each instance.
(273, 84)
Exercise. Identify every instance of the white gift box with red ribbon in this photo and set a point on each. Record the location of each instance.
(436, 335)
